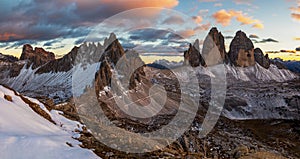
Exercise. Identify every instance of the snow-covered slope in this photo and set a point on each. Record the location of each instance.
(58, 84)
(257, 72)
(25, 134)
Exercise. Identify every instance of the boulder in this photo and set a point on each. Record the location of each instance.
(241, 51)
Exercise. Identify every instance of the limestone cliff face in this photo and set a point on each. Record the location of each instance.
(110, 58)
(63, 64)
(193, 57)
(36, 57)
(241, 51)
(262, 59)
(214, 48)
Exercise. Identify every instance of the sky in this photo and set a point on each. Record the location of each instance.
(163, 29)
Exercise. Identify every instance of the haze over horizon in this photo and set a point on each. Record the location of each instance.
(59, 25)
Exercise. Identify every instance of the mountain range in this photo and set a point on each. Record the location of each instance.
(261, 99)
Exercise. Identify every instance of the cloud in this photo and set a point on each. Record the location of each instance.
(253, 36)
(174, 19)
(246, 2)
(149, 35)
(228, 37)
(51, 42)
(47, 20)
(2, 45)
(152, 40)
(54, 48)
(295, 11)
(20, 43)
(144, 3)
(151, 48)
(296, 16)
(197, 19)
(267, 41)
(79, 41)
(186, 33)
(224, 17)
(203, 27)
(297, 38)
(207, 0)
(218, 4)
(258, 26)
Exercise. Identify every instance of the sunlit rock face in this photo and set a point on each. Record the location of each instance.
(261, 59)
(241, 51)
(214, 48)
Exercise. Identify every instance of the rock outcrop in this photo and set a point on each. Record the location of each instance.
(214, 48)
(36, 56)
(261, 59)
(193, 57)
(8, 58)
(110, 58)
(63, 64)
(241, 51)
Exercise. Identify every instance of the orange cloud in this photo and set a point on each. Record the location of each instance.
(186, 33)
(296, 16)
(144, 3)
(296, 12)
(224, 17)
(7, 36)
(295, 9)
(197, 19)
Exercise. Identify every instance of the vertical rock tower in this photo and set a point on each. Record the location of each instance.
(241, 51)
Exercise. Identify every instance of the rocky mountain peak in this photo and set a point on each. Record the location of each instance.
(63, 64)
(36, 56)
(108, 41)
(261, 59)
(109, 59)
(113, 52)
(214, 48)
(241, 51)
(192, 56)
(8, 58)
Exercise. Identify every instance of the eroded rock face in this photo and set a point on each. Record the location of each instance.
(214, 48)
(37, 56)
(193, 57)
(261, 59)
(63, 64)
(241, 51)
(110, 58)
(7, 58)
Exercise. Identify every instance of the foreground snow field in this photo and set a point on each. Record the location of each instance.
(25, 134)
